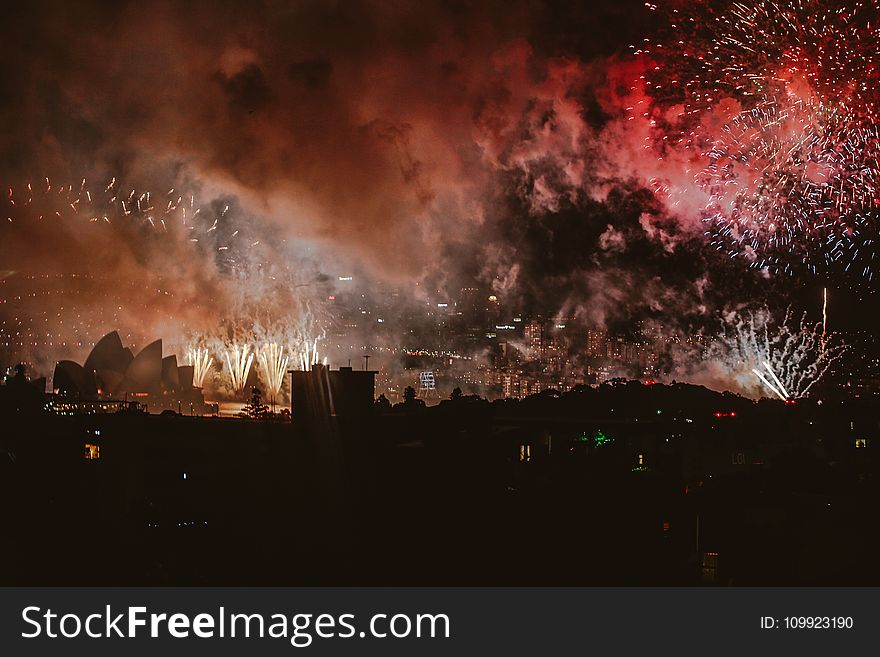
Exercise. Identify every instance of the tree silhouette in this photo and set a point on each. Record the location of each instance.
(255, 409)
(411, 403)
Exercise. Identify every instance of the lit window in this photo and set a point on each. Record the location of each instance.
(861, 443)
(93, 452)
(710, 567)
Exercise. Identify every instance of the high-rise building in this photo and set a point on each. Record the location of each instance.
(533, 332)
(596, 341)
(615, 348)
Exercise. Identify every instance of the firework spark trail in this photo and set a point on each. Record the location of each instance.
(110, 204)
(201, 361)
(824, 313)
(271, 339)
(792, 176)
(308, 354)
(298, 331)
(793, 356)
(239, 360)
(775, 390)
(776, 379)
(273, 367)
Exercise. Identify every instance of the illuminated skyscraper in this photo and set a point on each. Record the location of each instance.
(596, 343)
(533, 333)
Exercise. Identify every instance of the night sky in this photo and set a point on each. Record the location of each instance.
(447, 144)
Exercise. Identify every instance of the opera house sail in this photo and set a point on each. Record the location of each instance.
(112, 372)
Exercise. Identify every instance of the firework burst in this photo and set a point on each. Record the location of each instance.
(781, 101)
(785, 358)
(308, 354)
(273, 368)
(239, 360)
(782, 189)
(201, 362)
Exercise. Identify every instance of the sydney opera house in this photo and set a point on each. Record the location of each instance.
(113, 372)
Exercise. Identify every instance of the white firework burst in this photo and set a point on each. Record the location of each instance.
(785, 358)
(239, 360)
(201, 362)
(273, 367)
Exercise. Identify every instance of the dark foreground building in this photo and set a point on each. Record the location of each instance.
(618, 485)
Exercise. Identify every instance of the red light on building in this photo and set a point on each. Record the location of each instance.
(687, 487)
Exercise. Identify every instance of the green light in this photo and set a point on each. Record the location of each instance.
(659, 411)
(598, 438)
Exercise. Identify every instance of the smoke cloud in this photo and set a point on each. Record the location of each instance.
(430, 146)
